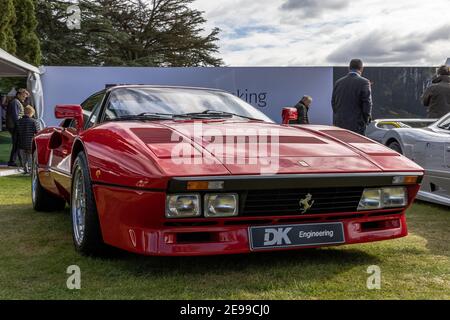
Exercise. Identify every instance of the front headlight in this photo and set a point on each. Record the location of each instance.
(183, 206)
(370, 200)
(383, 198)
(394, 197)
(221, 205)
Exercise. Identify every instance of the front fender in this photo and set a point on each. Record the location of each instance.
(116, 158)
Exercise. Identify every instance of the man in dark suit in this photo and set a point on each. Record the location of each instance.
(352, 100)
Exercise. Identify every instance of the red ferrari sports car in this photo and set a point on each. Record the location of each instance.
(189, 171)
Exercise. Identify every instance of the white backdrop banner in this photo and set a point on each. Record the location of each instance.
(266, 88)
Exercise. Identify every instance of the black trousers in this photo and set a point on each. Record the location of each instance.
(15, 146)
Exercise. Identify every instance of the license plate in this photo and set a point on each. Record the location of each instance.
(303, 235)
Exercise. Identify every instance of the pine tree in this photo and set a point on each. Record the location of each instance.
(7, 22)
(28, 47)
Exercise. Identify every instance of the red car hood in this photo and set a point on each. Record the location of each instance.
(263, 148)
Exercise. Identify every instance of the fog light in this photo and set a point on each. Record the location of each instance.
(183, 206)
(370, 200)
(394, 197)
(221, 205)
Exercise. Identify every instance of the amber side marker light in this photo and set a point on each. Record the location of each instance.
(205, 185)
(405, 180)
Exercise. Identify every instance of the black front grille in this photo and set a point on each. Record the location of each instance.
(287, 202)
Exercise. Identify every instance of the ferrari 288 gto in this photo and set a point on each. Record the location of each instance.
(177, 171)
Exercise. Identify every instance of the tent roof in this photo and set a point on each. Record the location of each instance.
(448, 62)
(10, 66)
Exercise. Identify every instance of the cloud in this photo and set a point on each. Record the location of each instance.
(441, 33)
(384, 46)
(313, 8)
(329, 32)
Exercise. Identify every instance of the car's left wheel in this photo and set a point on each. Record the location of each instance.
(87, 236)
(41, 198)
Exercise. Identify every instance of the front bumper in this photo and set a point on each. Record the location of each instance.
(235, 240)
(133, 220)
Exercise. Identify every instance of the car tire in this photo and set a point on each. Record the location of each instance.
(396, 147)
(86, 232)
(43, 201)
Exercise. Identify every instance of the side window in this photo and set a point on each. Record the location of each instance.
(94, 116)
(90, 104)
(91, 109)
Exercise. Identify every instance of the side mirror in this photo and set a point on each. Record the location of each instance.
(289, 114)
(70, 112)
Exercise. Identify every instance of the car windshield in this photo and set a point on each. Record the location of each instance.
(164, 103)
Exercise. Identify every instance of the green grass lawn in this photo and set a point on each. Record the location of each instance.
(5, 146)
(36, 250)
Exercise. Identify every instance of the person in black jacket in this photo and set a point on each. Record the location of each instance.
(27, 128)
(352, 100)
(437, 96)
(303, 109)
(13, 113)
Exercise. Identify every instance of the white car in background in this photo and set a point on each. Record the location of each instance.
(425, 141)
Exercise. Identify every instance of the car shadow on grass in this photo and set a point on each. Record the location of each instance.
(317, 263)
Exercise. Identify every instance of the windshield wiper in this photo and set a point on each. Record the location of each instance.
(217, 114)
(145, 116)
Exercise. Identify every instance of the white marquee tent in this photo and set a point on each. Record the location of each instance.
(10, 66)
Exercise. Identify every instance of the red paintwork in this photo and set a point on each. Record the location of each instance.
(130, 166)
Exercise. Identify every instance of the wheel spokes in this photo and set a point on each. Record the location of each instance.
(79, 206)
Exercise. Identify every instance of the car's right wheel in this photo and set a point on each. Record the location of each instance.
(87, 236)
(395, 146)
(41, 198)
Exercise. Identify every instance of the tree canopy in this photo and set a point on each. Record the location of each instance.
(18, 30)
(127, 32)
(7, 22)
(27, 42)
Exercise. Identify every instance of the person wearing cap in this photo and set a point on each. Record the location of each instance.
(14, 112)
(437, 96)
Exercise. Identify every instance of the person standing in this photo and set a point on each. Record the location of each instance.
(303, 109)
(352, 100)
(27, 127)
(13, 113)
(437, 96)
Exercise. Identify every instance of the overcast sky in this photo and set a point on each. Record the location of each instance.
(330, 32)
